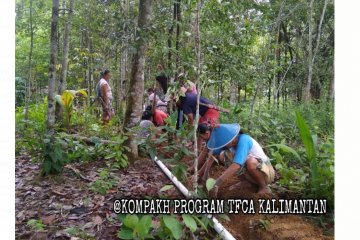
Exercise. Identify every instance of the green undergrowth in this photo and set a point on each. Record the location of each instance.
(83, 139)
(299, 139)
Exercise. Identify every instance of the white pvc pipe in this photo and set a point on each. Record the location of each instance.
(225, 234)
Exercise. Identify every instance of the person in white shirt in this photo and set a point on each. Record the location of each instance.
(106, 96)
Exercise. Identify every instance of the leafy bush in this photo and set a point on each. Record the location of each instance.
(135, 228)
(54, 156)
(36, 225)
(142, 227)
(30, 133)
(308, 171)
(104, 183)
(66, 100)
(20, 91)
(305, 160)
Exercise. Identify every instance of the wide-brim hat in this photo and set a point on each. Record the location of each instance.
(223, 135)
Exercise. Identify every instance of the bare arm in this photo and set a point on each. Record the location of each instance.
(229, 172)
(203, 156)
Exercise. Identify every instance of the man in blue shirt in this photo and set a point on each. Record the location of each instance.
(245, 152)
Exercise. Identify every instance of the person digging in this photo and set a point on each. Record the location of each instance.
(229, 143)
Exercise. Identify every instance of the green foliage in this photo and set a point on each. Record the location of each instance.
(312, 171)
(210, 182)
(141, 227)
(264, 223)
(54, 156)
(180, 171)
(135, 227)
(63, 148)
(117, 151)
(286, 149)
(166, 187)
(36, 224)
(171, 143)
(189, 222)
(306, 138)
(30, 132)
(20, 91)
(104, 182)
(171, 224)
(66, 100)
(321, 182)
(78, 232)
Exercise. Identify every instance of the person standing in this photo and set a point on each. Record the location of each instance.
(104, 92)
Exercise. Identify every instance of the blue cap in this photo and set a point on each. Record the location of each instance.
(223, 135)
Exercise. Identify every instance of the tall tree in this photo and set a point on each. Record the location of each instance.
(311, 52)
(197, 45)
(124, 55)
(52, 68)
(135, 96)
(65, 57)
(28, 87)
(177, 17)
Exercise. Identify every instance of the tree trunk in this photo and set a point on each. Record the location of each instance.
(135, 96)
(169, 40)
(232, 92)
(28, 85)
(65, 56)
(311, 53)
(254, 100)
(124, 57)
(198, 83)
(277, 60)
(307, 94)
(177, 41)
(89, 67)
(269, 93)
(245, 94)
(332, 88)
(52, 68)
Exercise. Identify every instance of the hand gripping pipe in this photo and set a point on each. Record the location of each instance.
(225, 234)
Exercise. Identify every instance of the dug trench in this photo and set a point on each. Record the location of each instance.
(269, 226)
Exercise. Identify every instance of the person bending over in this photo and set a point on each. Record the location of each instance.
(247, 157)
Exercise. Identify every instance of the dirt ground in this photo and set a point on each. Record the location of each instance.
(69, 209)
(266, 227)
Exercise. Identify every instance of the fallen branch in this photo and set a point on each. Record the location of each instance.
(77, 172)
(90, 140)
(58, 193)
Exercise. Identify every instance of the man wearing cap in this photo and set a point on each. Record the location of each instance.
(228, 141)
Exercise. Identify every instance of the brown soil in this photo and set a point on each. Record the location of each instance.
(261, 226)
(66, 201)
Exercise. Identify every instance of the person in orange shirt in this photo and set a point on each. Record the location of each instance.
(158, 117)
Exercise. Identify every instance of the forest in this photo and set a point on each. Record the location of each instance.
(266, 66)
